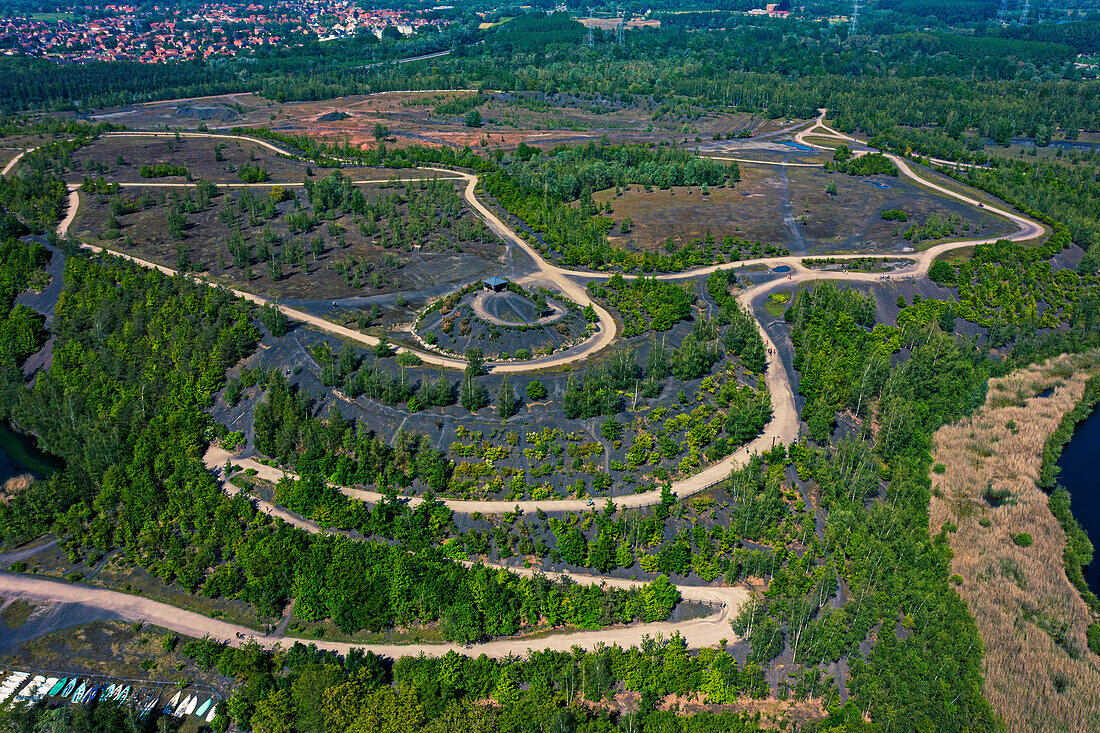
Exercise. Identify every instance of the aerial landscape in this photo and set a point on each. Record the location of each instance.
(692, 366)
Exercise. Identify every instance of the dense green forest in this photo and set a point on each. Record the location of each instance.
(137, 358)
(22, 330)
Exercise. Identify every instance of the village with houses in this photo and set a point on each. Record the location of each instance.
(165, 33)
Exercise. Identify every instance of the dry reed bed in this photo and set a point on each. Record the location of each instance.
(1040, 675)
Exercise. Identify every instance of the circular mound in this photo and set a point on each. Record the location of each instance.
(507, 324)
(509, 307)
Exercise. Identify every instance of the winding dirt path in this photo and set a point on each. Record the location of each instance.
(699, 633)
(784, 424)
(783, 427)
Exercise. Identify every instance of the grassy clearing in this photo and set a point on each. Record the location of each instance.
(826, 142)
(16, 613)
(851, 218)
(776, 304)
(1039, 673)
(748, 209)
(961, 254)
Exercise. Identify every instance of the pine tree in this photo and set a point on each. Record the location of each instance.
(506, 400)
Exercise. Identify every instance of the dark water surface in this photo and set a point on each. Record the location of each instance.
(1080, 464)
(19, 454)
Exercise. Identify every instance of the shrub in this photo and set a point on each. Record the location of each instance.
(867, 165)
(252, 173)
(942, 273)
(162, 170)
(1023, 539)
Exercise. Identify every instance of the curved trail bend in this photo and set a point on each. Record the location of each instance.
(698, 633)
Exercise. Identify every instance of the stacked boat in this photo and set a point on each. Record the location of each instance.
(190, 706)
(21, 687)
(11, 684)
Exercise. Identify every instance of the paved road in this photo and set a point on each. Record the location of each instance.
(409, 60)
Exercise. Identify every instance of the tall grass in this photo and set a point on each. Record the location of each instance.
(1040, 674)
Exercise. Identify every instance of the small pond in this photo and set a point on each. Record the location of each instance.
(1080, 477)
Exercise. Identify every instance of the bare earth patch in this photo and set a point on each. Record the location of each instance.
(1039, 673)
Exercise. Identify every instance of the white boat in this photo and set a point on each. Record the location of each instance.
(109, 692)
(80, 692)
(123, 695)
(204, 707)
(69, 687)
(16, 676)
(28, 691)
(172, 704)
(45, 687)
(148, 708)
(11, 684)
(191, 705)
(178, 712)
(213, 712)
